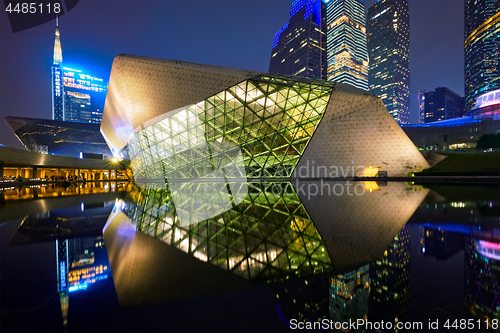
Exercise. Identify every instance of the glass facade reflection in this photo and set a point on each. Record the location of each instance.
(268, 235)
(264, 123)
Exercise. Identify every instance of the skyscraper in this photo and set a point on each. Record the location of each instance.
(76, 96)
(388, 40)
(482, 37)
(57, 79)
(347, 56)
(421, 105)
(299, 48)
(442, 104)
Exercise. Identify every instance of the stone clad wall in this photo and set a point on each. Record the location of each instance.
(142, 88)
(357, 131)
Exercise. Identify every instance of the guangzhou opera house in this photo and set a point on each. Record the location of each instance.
(180, 120)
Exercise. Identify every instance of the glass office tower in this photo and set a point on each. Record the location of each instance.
(482, 37)
(442, 104)
(299, 48)
(388, 40)
(84, 96)
(347, 56)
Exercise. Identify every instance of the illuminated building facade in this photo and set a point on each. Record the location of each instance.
(388, 42)
(58, 137)
(349, 294)
(347, 55)
(487, 106)
(442, 104)
(390, 281)
(299, 47)
(262, 121)
(482, 37)
(482, 277)
(462, 132)
(57, 79)
(84, 96)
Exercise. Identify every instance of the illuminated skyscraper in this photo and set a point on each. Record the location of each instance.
(347, 56)
(84, 96)
(299, 48)
(442, 104)
(57, 79)
(482, 37)
(76, 96)
(388, 40)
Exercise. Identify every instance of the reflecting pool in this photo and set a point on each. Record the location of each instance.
(250, 256)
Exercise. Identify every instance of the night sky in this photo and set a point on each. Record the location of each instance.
(231, 33)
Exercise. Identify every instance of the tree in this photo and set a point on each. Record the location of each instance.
(489, 141)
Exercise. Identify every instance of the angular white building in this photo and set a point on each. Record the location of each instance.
(182, 120)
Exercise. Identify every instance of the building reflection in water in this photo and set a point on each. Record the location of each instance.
(482, 277)
(81, 257)
(323, 257)
(81, 262)
(268, 236)
(475, 234)
(349, 295)
(48, 191)
(390, 281)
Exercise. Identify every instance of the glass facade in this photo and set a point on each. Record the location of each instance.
(269, 235)
(57, 93)
(482, 37)
(347, 56)
(299, 48)
(84, 96)
(388, 40)
(260, 126)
